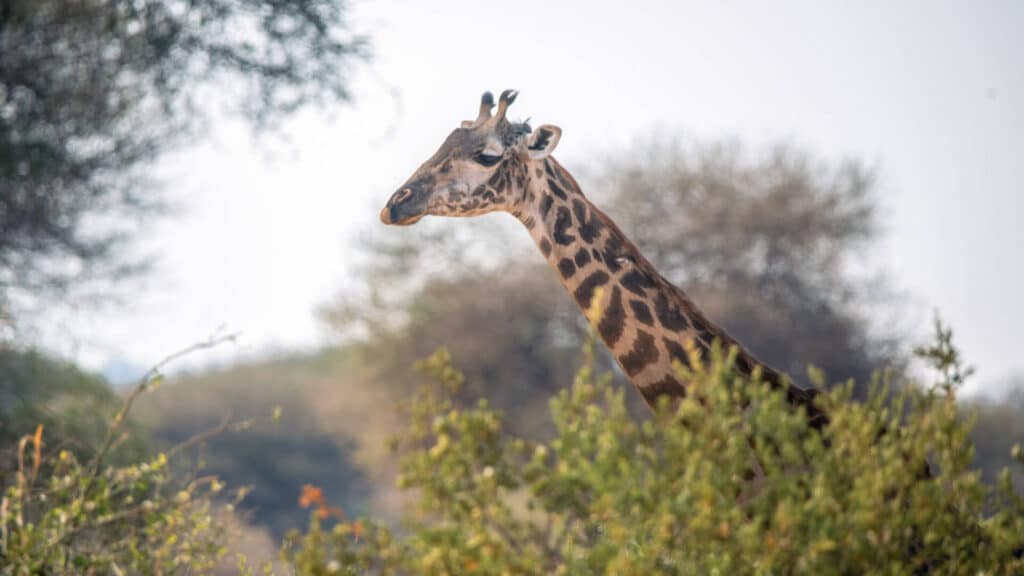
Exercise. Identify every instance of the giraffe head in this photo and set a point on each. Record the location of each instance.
(481, 167)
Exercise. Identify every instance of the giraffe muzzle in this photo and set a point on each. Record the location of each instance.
(404, 208)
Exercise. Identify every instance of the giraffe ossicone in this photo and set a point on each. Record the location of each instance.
(492, 164)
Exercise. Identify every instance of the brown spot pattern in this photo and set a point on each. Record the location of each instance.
(545, 247)
(585, 291)
(644, 352)
(566, 268)
(582, 257)
(669, 315)
(613, 319)
(641, 312)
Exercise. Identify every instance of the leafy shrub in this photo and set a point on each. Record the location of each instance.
(122, 519)
(703, 487)
(729, 480)
(64, 513)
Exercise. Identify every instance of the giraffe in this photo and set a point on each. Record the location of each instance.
(492, 164)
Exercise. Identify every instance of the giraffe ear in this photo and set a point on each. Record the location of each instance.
(542, 141)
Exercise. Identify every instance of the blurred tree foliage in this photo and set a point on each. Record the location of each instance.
(768, 244)
(675, 495)
(91, 92)
(775, 246)
(999, 425)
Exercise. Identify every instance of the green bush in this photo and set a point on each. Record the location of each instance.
(705, 487)
(95, 511)
(728, 481)
(124, 519)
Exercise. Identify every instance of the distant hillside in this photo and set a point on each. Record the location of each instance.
(331, 434)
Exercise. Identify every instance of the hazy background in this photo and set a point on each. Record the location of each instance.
(930, 93)
(874, 149)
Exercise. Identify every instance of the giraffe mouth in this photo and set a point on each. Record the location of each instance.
(388, 216)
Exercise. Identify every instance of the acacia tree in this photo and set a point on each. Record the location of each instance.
(91, 92)
(771, 244)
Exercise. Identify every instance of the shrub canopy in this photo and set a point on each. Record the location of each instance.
(730, 481)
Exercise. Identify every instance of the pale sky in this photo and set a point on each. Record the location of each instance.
(932, 93)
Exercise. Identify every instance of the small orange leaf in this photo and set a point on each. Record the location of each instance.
(311, 495)
(37, 440)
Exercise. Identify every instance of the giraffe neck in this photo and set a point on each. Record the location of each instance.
(645, 321)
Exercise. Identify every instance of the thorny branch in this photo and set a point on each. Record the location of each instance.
(147, 380)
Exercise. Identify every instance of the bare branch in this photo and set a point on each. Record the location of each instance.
(152, 375)
(226, 425)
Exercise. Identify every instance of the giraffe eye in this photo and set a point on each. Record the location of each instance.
(485, 159)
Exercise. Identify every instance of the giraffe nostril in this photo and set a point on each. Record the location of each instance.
(405, 206)
(402, 196)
